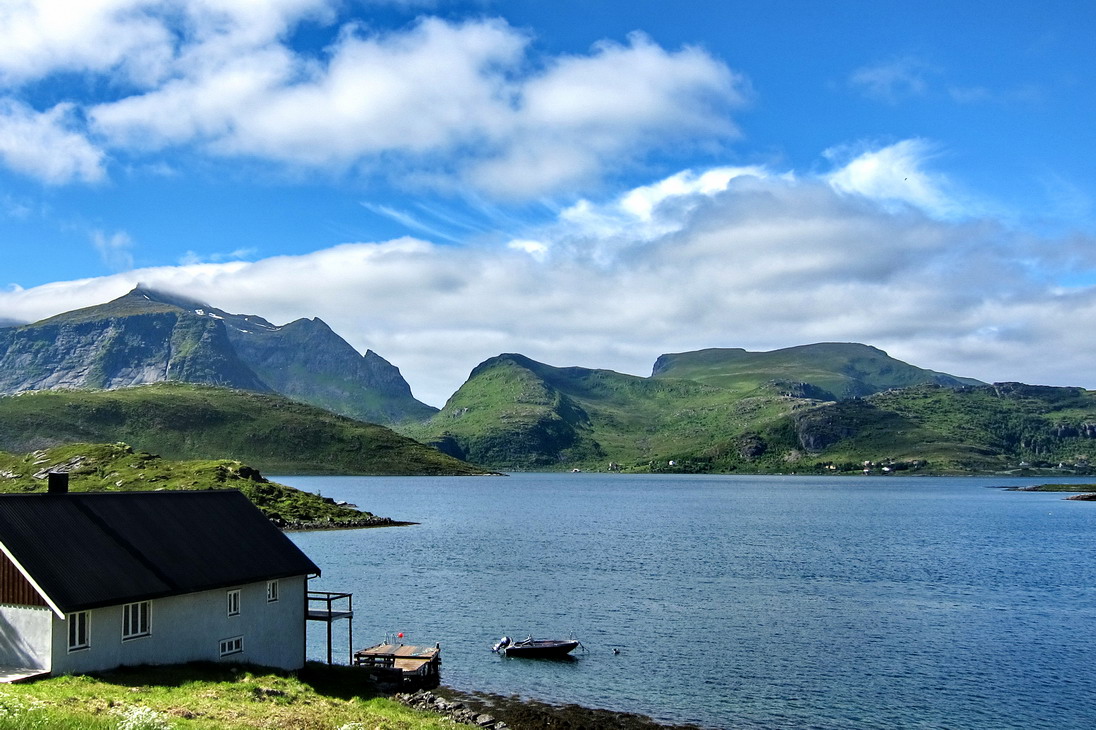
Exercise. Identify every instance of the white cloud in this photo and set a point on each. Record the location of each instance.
(139, 42)
(443, 102)
(449, 104)
(42, 37)
(896, 174)
(586, 113)
(759, 260)
(894, 80)
(46, 146)
(191, 258)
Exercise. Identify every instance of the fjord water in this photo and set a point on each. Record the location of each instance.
(735, 602)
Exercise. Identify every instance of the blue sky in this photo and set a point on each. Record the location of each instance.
(588, 183)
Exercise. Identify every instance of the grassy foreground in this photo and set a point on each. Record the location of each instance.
(208, 697)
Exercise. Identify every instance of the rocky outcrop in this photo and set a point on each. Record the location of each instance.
(496, 712)
(455, 710)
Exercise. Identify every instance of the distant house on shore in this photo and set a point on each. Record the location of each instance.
(93, 581)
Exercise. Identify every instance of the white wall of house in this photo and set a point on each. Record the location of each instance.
(191, 628)
(25, 636)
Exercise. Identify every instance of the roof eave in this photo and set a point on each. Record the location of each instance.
(60, 613)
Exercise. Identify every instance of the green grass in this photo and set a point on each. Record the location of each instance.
(185, 421)
(208, 697)
(117, 468)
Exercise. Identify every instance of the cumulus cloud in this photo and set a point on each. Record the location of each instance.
(42, 37)
(441, 103)
(45, 145)
(447, 102)
(729, 257)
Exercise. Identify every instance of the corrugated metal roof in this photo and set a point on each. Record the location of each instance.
(91, 549)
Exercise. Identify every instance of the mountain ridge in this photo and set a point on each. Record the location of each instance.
(149, 336)
(516, 413)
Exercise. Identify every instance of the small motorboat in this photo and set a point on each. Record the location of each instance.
(538, 648)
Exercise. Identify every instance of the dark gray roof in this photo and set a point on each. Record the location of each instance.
(91, 549)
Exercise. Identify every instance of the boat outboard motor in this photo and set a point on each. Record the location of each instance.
(503, 643)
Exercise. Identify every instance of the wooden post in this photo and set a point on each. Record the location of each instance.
(329, 633)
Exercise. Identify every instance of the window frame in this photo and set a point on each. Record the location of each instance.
(136, 620)
(272, 591)
(233, 602)
(230, 646)
(79, 634)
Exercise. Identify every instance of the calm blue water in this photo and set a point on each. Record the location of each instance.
(736, 602)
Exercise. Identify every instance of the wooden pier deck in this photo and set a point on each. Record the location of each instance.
(418, 666)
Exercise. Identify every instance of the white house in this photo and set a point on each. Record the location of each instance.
(95, 580)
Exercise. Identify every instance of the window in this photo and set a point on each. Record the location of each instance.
(78, 631)
(136, 620)
(235, 645)
(271, 591)
(234, 602)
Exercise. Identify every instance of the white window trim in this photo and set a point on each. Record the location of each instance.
(144, 628)
(272, 591)
(231, 645)
(78, 623)
(233, 598)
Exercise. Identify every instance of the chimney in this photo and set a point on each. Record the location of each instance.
(58, 482)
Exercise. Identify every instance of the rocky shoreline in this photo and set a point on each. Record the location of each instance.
(496, 712)
(341, 524)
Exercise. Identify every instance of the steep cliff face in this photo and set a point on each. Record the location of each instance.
(149, 337)
(307, 361)
(119, 351)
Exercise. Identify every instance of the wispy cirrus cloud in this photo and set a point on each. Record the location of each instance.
(894, 80)
(115, 249)
(896, 174)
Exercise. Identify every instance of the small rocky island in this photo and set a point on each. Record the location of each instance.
(1079, 492)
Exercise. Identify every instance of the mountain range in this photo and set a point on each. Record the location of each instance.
(831, 407)
(822, 407)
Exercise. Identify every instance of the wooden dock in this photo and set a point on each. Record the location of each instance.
(414, 666)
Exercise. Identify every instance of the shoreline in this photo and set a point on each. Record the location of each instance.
(498, 712)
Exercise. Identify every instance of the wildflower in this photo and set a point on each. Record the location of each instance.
(136, 717)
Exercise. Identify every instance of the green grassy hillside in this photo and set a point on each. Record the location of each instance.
(826, 371)
(984, 428)
(730, 414)
(516, 413)
(118, 468)
(184, 421)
